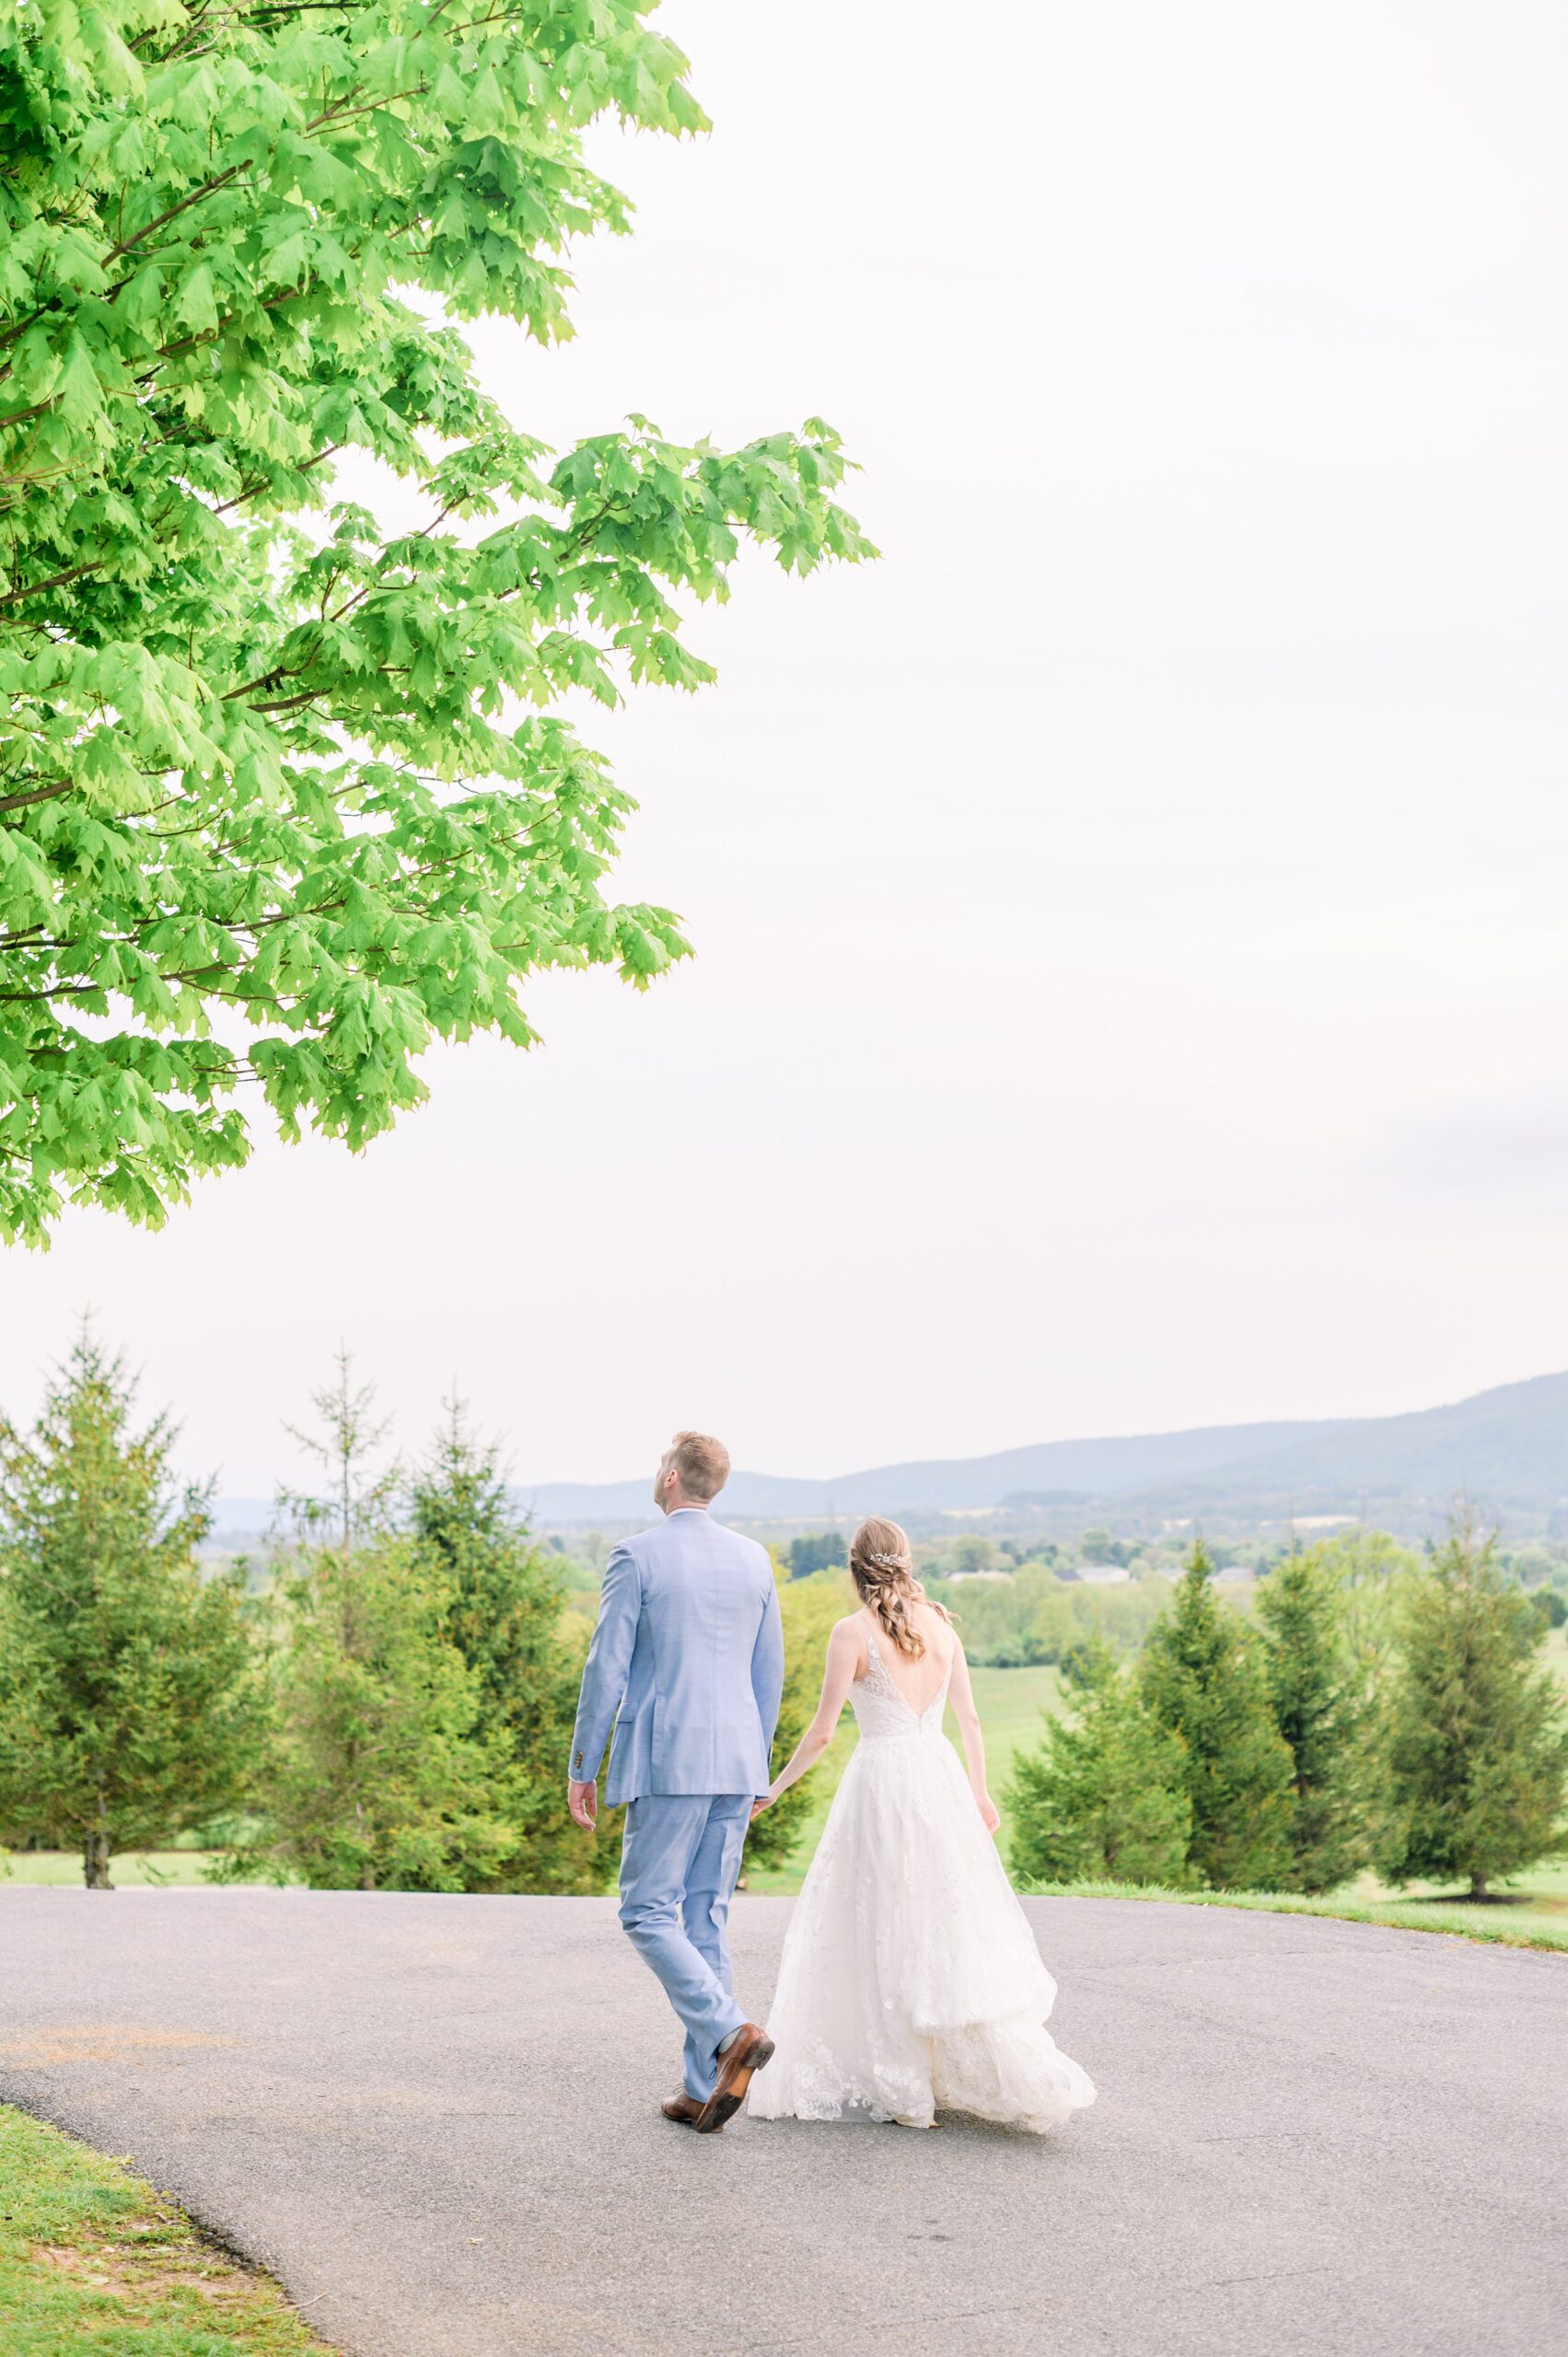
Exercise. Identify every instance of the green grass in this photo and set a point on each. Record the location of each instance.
(93, 2263)
(1514, 1927)
(1544, 1889)
(53, 1868)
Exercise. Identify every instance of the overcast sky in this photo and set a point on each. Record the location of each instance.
(1133, 918)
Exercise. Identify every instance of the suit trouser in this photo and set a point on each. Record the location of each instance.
(678, 1863)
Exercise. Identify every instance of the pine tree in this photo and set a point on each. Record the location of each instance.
(363, 1488)
(387, 1777)
(1105, 1795)
(131, 1707)
(503, 1612)
(1309, 1683)
(1203, 1676)
(1477, 1751)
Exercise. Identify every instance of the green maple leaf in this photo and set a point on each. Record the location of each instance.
(260, 778)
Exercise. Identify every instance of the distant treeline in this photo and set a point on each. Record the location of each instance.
(1020, 1607)
(1034, 1617)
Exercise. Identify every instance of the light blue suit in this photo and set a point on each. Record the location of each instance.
(687, 1663)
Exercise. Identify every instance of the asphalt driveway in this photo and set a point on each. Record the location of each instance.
(436, 2121)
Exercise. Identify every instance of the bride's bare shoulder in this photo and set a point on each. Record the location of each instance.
(847, 1638)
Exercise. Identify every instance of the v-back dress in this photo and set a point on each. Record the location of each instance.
(910, 1982)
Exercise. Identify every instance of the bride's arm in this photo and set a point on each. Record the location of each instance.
(843, 1659)
(961, 1694)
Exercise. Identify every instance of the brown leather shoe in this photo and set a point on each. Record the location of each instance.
(684, 2108)
(749, 2051)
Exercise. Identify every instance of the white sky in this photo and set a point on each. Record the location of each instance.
(1133, 986)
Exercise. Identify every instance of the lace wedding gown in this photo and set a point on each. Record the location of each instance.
(910, 1981)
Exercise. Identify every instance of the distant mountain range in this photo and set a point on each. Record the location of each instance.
(1507, 1449)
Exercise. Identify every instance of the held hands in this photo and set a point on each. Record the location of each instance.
(583, 1802)
(766, 1801)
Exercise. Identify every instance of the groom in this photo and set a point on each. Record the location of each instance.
(688, 1663)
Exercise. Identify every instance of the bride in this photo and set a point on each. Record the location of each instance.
(910, 1981)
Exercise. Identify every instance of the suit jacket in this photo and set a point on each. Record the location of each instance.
(687, 1663)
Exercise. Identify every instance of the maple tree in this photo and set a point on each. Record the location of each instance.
(283, 796)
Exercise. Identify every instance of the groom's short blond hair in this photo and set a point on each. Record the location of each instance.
(703, 1464)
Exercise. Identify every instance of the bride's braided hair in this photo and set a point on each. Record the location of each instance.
(883, 1571)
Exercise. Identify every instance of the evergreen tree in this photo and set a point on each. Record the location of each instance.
(503, 1612)
(132, 1706)
(385, 1777)
(1203, 1676)
(362, 1488)
(1477, 1751)
(816, 1550)
(1310, 1685)
(1105, 1795)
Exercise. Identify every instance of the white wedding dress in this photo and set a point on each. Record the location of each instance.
(910, 1982)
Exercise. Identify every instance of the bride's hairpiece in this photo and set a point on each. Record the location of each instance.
(881, 1563)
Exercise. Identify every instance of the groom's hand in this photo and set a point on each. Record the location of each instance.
(583, 1802)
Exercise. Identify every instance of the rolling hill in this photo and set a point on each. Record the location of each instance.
(1085, 1468)
(1507, 1447)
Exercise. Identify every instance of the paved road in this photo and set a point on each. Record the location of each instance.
(435, 2118)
